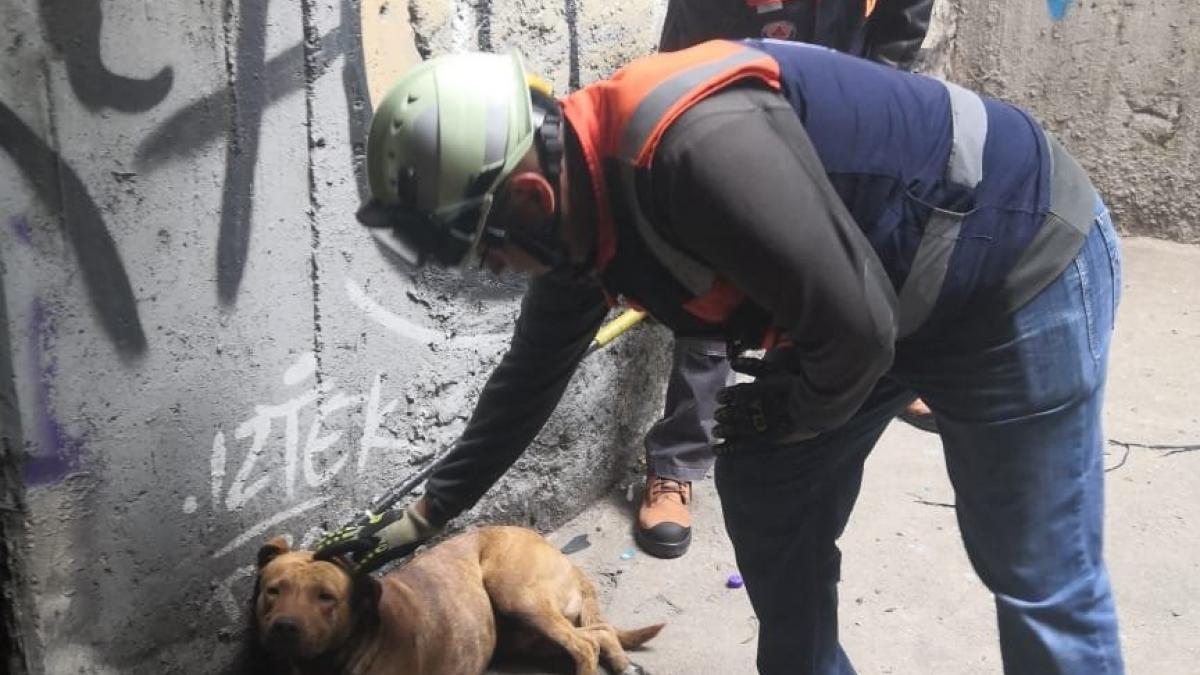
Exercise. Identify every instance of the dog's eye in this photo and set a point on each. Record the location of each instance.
(272, 591)
(326, 596)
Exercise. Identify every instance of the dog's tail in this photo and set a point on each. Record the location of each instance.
(637, 637)
(590, 615)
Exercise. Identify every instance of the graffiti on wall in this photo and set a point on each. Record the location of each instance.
(248, 96)
(273, 468)
(59, 452)
(1058, 8)
(254, 84)
(75, 28)
(59, 187)
(312, 459)
(287, 454)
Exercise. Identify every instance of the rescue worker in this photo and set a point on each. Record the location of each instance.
(876, 232)
(679, 446)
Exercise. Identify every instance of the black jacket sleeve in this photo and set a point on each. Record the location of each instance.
(891, 35)
(690, 22)
(558, 320)
(737, 183)
(896, 30)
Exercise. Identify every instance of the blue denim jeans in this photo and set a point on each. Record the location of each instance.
(1018, 402)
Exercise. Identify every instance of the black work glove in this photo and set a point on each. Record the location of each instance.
(376, 539)
(758, 411)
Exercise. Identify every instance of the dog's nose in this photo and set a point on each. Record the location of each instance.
(283, 632)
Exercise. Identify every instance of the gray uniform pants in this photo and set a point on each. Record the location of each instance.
(680, 444)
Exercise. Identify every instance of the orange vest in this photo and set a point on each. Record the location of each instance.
(620, 121)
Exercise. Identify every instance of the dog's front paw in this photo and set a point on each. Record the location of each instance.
(633, 669)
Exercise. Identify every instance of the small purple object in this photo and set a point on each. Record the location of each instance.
(734, 581)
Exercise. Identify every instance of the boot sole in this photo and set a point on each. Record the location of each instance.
(662, 549)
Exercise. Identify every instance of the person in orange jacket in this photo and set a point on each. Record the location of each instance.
(876, 232)
(679, 445)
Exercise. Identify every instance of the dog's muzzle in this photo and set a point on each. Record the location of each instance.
(282, 636)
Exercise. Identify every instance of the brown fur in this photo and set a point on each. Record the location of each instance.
(437, 615)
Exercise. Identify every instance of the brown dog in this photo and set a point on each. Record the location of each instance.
(444, 613)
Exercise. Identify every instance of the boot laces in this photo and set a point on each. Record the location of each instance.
(661, 487)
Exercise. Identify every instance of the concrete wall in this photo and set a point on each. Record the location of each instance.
(207, 349)
(1115, 81)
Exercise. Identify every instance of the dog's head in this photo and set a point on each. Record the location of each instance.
(305, 609)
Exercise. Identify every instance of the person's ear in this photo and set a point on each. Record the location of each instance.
(532, 194)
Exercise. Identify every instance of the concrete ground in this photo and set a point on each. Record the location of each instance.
(910, 601)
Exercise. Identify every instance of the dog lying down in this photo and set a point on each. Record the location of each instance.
(447, 612)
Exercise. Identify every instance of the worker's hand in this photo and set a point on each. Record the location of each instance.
(758, 411)
(376, 539)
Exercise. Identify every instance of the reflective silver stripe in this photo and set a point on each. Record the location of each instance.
(924, 283)
(965, 166)
(657, 102)
(689, 272)
(1061, 235)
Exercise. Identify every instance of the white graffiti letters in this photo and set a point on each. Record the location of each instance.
(317, 444)
(317, 460)
(371, 438)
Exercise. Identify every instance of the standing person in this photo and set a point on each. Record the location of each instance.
(876, 232)
(679, 446)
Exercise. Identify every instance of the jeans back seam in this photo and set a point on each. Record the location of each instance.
(1089, 312)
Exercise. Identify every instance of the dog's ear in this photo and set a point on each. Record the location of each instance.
(364, 595)
(270, 550)
(252, 658)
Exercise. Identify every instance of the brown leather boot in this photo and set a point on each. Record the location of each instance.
(664, 527)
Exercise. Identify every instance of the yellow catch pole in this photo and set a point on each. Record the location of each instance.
(613, 329)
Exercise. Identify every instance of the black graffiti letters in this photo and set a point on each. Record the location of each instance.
(74, 25)
(59, 187)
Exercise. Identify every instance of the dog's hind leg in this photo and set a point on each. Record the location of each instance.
(612, 641)
(591, 622)
(589, 610)
(610, 647)
(582, 646)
